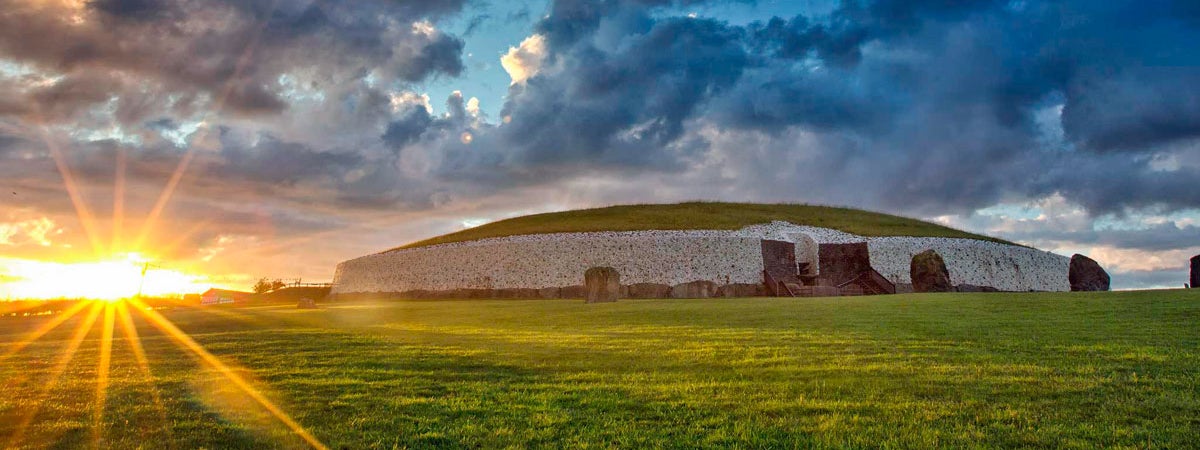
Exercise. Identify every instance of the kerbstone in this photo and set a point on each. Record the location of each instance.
(603, 284)
(1195, 279)
(1087, 275)
(929, 274)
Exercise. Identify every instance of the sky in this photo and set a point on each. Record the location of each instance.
(241, 139)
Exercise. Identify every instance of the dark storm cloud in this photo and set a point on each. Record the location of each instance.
(408, 127)
(232, 51)
(627, 107)
(928, 106)
(1135, 108)
(285, 164)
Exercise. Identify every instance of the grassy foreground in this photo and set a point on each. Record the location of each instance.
(703, 216)
(907, 371)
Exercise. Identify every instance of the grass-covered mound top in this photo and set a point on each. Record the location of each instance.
(703, 216)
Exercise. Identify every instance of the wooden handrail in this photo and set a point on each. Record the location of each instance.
(777, 287)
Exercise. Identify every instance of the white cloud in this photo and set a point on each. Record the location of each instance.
(226, 242)
(37, 231)
(473, 107)
(424, 28)
(525, 61)
(1134, 260)
(401, 99)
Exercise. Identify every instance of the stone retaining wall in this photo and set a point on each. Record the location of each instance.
(672, 258)
(979, 263)
(662, 258)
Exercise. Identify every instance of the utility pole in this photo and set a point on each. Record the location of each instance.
(145, 267)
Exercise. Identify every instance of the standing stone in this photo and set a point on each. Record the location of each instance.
(603, 284)
(929, 273)
(1087, 275)
(840, 263)
(1195, 280)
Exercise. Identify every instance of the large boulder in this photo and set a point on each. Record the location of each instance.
(1087, 275)
(1195, 279)
(694, 289)
(929, 273)
(603, 284)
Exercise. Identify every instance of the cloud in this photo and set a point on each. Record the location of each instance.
(315, 113)
(231, 53)
(928, 106)
(37, 231)
(524, 61)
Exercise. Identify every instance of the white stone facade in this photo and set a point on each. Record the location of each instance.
(557, 260)
(981, 263)
(674, 257)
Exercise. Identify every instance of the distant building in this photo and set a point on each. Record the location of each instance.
(223, 296)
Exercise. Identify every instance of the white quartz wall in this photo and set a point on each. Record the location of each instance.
(981, 263)
(673, 257)
(556, 260)
(970, 261)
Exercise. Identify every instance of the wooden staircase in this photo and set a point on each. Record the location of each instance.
(781, 273)
(784, 277)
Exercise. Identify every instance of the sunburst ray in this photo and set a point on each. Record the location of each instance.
(45, 328)
(143, 363)
(56, 372)
(103, 365)
(180, 169)
(118, 213)
(64, 170)
(186, 342)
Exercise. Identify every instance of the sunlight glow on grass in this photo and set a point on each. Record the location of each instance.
(952, 370)
(215, 363)
(44, 402)
(60, 366)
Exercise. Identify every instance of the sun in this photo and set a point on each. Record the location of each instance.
(110, 279)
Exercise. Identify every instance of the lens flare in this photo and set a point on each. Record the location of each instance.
(112, 279)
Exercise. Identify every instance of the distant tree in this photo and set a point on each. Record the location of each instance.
(264, 285)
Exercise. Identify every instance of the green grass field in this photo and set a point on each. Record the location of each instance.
(704, 216)
(1119, 370)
